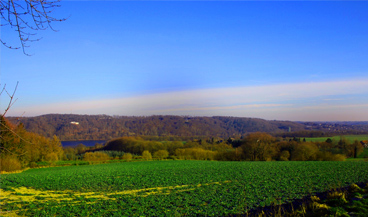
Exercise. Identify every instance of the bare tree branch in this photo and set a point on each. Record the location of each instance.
(4, 125)
(2, 119)
(11, 98)
(27, 17)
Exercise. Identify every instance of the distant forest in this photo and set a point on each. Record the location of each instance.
(104, 127)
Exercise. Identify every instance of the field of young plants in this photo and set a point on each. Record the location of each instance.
(169, 188)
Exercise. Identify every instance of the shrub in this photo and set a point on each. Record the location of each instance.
(9, 163)
(128, 157)
(172, 157)
(51, 157)
(325, 156)
(305, 152)
(161, 154)
(328, 156)
(146, 155)
(33, 165)
(114, 154)
(96, 156)
(339, 157)
(195, 153)
(229, 155)
(284, 155)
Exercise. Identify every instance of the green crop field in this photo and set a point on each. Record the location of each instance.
(350, 138)
(169, 188)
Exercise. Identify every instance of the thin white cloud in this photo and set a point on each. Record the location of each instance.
(263, 101)
(229, 108)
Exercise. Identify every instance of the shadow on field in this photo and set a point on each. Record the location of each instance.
(347, 201)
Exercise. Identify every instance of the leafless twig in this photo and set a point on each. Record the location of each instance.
(2, 119)
(11, 96)
(26, 17)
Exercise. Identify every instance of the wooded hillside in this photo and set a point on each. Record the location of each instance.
(94, 127)
(104, 127)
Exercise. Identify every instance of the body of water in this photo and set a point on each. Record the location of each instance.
(88, 143)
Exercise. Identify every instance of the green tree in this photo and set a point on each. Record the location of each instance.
(96, 157)
(98, 146)
(9, 140)
(284, 155)
(70, 153)
(146, 155)
(81, 148)
(56, 147)
(305, 152)
(11, 143)
(259, 146)
(161, 154)
(172, 146)
(342, 143)
(127, 156)
(9, 163)
(357, 148)
(329, 140)
(51, 157)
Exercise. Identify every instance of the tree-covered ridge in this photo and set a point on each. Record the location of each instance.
(104, 127)
(94, 127)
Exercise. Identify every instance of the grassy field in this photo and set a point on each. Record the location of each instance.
(350, 138)
(169, 188)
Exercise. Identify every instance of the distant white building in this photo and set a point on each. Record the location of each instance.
(74, 122)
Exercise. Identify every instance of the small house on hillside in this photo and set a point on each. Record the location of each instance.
(364, 143)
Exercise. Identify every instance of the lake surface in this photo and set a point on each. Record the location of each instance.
(88, 143)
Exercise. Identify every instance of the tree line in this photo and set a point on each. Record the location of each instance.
(20, 148)
(254, 147)
(257, 146)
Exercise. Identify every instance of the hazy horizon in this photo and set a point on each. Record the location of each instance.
(297, 61)
(25, 116)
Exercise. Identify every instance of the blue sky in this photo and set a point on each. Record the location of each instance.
(300, 61)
